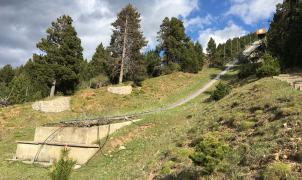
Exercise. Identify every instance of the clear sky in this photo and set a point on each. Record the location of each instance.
(24, 22)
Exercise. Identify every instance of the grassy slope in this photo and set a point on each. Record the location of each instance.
(251, 120)
(156, 92)
(18, 122)
(159, 145)
(260, 121)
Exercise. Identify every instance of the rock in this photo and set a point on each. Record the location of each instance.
(122, 148)
(77, 167)
(121, 90)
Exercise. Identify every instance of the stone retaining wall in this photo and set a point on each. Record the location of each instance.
(59, 104)
(121, 90)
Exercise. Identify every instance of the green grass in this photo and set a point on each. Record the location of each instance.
(258, 119)
(19, 122)
(154, 93)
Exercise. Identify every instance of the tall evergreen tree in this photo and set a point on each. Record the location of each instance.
(153, 63)
(126, 43)
(211, 50)
(172, 39)
(39, 74)
(179, 51)
(285, 34)
(98, 63)
(63, 54)
(199, 52)
(6, 74)
(211, 47)
(190, 60)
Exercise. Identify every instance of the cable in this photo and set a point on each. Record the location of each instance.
(106, 140)
(44, 142)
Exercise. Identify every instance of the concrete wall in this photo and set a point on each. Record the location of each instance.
(80, 140)
(81, 135)
(49, 153)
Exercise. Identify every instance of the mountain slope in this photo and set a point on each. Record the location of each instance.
(261, 125)
(18, 122)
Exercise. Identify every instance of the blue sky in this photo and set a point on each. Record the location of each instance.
(228, 19)
(23, 23)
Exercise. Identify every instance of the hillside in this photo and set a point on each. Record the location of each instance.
(18, 122)
(259, 122)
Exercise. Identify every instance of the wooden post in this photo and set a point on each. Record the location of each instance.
(124, 53)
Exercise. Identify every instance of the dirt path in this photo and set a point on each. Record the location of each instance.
(201, 90)
(190, 97)
(176, 104)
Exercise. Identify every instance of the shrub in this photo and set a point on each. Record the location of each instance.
(170, 68)
(96, 82)
(247, 70)
(277, 171)
(298, 156)
(221, 91)
(210, 153)
(269, 67)
(61, 170)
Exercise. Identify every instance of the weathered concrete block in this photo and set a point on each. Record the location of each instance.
(81, 135)
(122, 90)
(59, 104)
(49, 141)
(28, 151)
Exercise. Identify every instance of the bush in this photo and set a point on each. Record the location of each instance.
(61, 170)
(23, 90)
(269, 67)
(210, 153)
(221, 91)
(298, 156)
(247, 70)
(170, 68)
(96, 82)
(277, 171)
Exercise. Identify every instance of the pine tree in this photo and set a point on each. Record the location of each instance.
(172, 39)
(23, 90)
(6, 74)
(63, 54)
(285, 34)
(126, 42)
(153, 63)
(39, 73)
(200, 56)
(98, 64)
(190, 60)
(211, 50)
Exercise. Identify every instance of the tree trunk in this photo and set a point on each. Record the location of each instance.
(124, 53)
(53, 89)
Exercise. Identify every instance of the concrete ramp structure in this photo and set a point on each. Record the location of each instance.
(83, 142)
